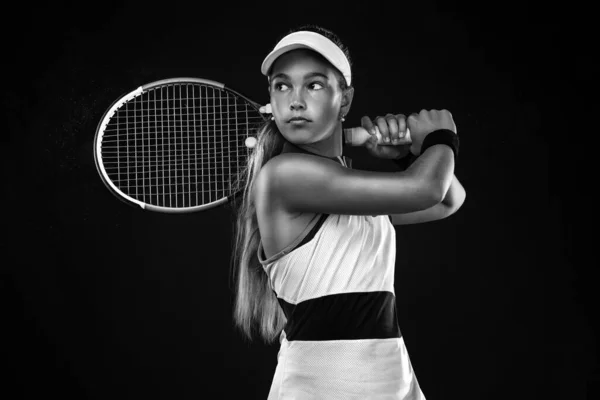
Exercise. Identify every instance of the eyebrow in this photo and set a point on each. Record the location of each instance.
(307, 76)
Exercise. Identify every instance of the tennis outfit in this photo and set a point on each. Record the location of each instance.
(335, 284)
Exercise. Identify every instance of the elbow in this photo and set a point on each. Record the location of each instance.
(460, 197)
(462, 201)
(453, 196)
(458, 203)
(436, 199)
(433, 197)
(432, 192)
(436, 193)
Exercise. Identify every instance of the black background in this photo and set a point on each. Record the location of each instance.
(101, 300)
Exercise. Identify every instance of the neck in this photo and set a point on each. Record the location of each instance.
(329, 148)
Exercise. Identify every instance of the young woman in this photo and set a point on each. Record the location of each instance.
(314, 249)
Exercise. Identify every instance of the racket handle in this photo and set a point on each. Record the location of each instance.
(359, 136)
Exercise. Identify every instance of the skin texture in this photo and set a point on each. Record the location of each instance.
(317, 98)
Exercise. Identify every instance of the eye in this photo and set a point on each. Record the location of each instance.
(279, 86)
(316, 85)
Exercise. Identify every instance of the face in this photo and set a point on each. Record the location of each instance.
(305, 87)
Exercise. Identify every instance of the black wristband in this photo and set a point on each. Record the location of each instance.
(442, 136)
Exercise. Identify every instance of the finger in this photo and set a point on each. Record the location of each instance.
(366, 123)
(393, 127)
(412, 121)
(383, 129)
(450, 119)
(372, 142)
(401, 119)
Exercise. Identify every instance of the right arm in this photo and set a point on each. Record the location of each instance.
(303, 183)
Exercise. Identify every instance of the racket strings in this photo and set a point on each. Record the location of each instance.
(203, 165)
(133, 124)
(179, 145)
(169, 141)
(161, 165)
(181, 154)
(175, 101)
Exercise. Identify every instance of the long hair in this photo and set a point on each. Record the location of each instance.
(256, 307)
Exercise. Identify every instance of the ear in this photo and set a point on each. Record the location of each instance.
(347, 97)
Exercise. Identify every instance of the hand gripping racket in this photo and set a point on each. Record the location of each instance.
(177, 145)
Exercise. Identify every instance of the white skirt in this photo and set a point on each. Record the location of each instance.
(377, 369)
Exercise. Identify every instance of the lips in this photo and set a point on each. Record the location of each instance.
(298, 119)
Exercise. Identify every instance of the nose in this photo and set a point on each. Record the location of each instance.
(297, 102)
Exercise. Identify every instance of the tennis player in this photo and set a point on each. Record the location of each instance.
(315, 247)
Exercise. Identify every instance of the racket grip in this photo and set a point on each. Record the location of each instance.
(359, 136)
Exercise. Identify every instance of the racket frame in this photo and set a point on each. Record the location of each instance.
(108, 114)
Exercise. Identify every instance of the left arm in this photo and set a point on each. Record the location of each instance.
(452, 201)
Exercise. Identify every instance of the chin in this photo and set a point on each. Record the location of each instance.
(301, 137)
(297, 141)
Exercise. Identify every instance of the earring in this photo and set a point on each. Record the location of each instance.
(273, 118)
(343, 119)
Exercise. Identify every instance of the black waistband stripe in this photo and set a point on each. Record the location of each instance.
(345, 316)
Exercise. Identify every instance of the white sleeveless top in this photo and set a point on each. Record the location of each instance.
(335, 283)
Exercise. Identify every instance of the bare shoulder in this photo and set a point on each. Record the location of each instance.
(295, 163)
(277, 171)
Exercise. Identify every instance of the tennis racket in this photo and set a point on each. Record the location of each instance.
(177, 145)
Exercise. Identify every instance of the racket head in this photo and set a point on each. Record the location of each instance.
(176, 145)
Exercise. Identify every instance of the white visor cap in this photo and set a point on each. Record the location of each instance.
(313, 41)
